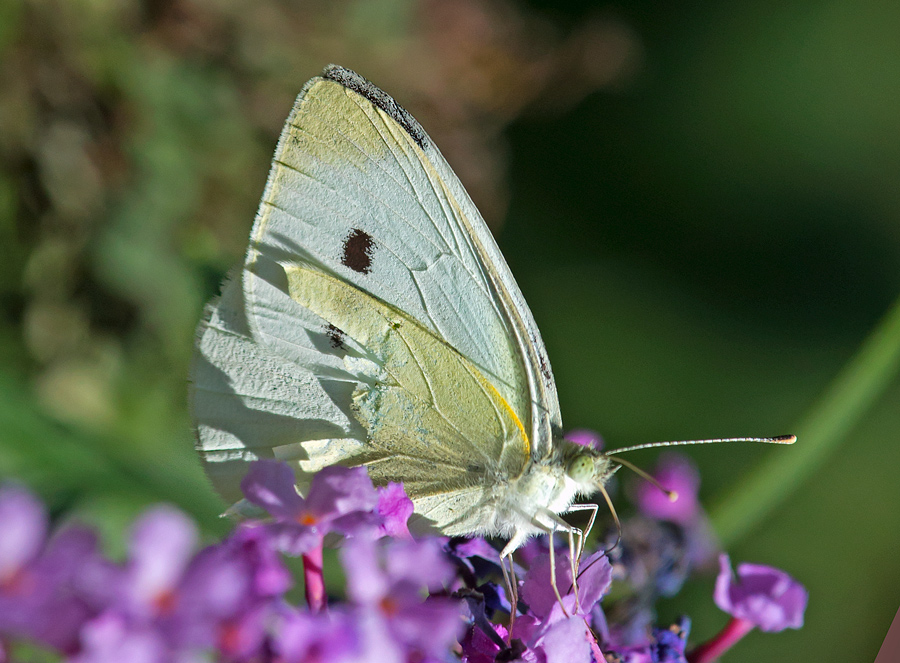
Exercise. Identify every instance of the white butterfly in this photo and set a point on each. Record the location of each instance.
(376, 323)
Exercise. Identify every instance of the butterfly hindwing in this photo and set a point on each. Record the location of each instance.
(248, 401)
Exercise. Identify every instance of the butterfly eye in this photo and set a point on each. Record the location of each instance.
(580, 469)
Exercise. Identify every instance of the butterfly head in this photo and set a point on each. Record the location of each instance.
(587, 467)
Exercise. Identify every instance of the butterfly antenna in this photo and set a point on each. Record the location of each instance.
(615, 516)
(671, 494)
(781, 439)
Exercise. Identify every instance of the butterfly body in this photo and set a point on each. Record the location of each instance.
(376, 323)
(527, 505)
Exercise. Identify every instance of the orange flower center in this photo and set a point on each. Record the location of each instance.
(165, 602)
(18, 581)
(388, 606)
(229, 638)
(307, 519)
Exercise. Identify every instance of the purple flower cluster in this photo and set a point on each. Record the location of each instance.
(406, 600)
(661, 545)
(41, 578)
(573, 630)
(169, 602)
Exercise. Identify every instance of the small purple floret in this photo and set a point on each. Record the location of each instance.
(674, 472)
(666, 645)
(111, 638)
(478, 647)
(39, 577)
(161, 547)
(385, 583)
(337, 492)
(340, 499)
(586, 438)
(765, 596)
(327, 636)
(563, 640)
(395, 508)
(594, 579)
(24, 529)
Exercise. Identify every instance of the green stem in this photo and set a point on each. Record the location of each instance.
(854, 390)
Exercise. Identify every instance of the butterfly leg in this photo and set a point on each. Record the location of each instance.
(553, 573)
(573, 533)
(593, 508)
(512, 591)
(512, 585)
(582, 538)
(549, 522)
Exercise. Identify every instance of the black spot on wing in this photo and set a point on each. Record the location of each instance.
(335, 336)
(358, 249)
(378, 97)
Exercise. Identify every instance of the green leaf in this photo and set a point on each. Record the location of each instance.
(819, 434)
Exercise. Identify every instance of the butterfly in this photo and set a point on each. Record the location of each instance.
(375, 323)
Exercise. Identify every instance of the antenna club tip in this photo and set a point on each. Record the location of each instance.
(673, 496)
(786, 439)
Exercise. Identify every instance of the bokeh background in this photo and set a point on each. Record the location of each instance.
(701, 203)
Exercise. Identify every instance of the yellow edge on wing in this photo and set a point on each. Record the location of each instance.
(511, 412)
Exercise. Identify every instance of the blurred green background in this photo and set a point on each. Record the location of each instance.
(701, 203)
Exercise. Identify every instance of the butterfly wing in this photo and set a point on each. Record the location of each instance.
(360, 203)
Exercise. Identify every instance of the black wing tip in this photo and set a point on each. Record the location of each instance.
(378, 97)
